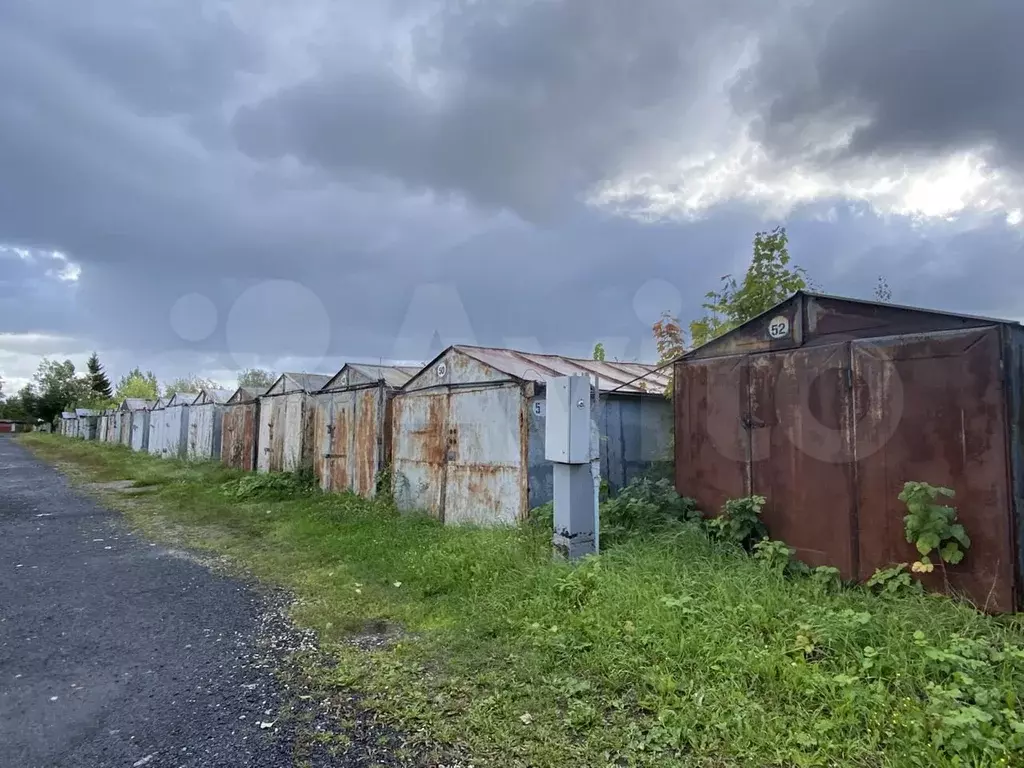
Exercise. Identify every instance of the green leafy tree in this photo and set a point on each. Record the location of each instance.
(56, 387)
(256, 378)
(137, 383)
(98, 380)
(189, 383)
(17, 407)
(599, 351)
(769, 279)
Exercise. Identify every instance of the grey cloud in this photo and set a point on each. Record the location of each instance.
(529, 103)
(921, 77)
(164, 58)
(131, 168)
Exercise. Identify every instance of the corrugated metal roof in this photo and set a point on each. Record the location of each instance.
(531, 366)
(161, 402)
(134, 404)
(214, 395)
(307, 382)
(182, 398)
(68, 415)
(245, 394)
(393, 375)
(947, 313)
(84, 412)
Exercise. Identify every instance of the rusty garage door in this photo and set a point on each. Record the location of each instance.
(419, 453)
(238, 444)
(934, 412)
(829, 434)
(712, 444)
(349, 433)
(799, 423)
(461, 455)
(773, 425)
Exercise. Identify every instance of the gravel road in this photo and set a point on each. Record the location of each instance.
(118, 652)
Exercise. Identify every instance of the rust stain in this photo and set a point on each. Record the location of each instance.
(308, 450)
(319, 445)
(365, 441)
(238, 437)
(433, 434)
(387, 429)
(277, 422)
(340, 440)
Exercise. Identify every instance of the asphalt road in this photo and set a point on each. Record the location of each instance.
(118, 652)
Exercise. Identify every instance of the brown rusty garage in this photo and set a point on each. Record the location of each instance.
(352, 426)
(826, 406)
(240, 429)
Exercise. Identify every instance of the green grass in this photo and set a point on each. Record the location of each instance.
(667, 651)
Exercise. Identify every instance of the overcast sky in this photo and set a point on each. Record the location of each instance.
(203, 185)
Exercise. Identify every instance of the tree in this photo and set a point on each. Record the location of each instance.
(882, 290)
(668, 335)
(138, 384)
(769, 279)
(189, 383)
(55, 388)
(98, 380)
(599, 351)
(256, 378)
(18, 407)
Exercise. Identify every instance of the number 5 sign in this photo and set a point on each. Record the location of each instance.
(778, 328)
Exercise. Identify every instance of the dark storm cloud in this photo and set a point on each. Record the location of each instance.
(527, 104)
(162, 57)
(921, 77)
(369, 174)
(36, 294)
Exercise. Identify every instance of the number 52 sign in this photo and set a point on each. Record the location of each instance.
(778, 328)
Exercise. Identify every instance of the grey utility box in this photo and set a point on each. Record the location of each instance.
(567, 434)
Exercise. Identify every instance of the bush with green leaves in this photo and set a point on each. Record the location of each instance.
(893, 581)
(931, 526)
(269, 485)
(645, 506)
(739, 522)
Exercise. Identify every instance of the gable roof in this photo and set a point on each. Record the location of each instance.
(182, 398)
(68, 415)
(297, 382)
(133, 404)
(212, 396)
(85, 412)
(817, 310)
(355, 374)
(245, 395)
(621, 378)
(160, 402)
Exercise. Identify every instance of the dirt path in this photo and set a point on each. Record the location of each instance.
(118, 652)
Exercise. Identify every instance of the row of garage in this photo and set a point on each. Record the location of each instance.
(462, 436)
(825, 406)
